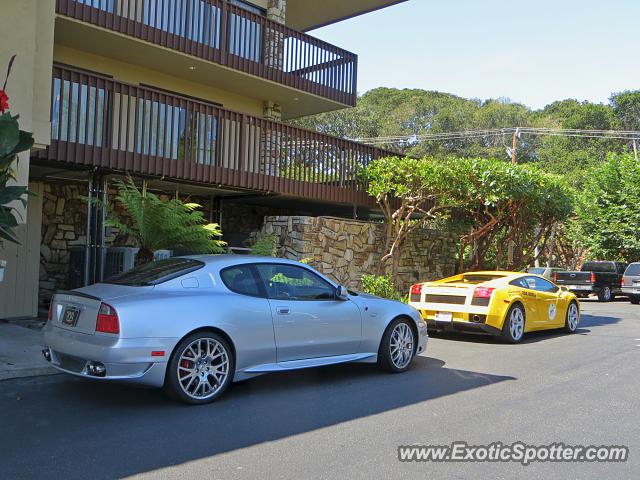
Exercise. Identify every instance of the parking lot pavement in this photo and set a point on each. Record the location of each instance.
(347, 421)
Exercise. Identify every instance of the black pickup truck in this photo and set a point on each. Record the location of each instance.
(603, 278)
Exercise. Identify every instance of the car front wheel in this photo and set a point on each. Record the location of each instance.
(635, 300)
(200, 369)
(513, 328)
(573, 318)
(398, 346)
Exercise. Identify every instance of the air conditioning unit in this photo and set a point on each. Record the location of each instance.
(162, 254)
(118, 260)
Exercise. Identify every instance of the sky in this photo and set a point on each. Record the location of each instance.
(532, 52)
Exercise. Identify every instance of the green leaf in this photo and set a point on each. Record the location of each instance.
(9, 135)
(9, 194)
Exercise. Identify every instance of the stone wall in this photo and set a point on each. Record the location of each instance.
(344, 250)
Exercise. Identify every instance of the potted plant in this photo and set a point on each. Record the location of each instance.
(12, 142)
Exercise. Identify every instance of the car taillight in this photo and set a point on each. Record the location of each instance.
(107, 321)
(416, 289)
(555, 276)
(592, 277)
(483, 292)
(622, 282)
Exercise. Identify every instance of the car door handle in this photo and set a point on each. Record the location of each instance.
(282, 310)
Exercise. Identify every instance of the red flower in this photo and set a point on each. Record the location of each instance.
(4, 101)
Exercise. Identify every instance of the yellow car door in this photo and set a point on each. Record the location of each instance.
(548, 313)
(524, 290)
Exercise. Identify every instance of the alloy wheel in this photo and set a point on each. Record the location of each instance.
(516, 324)
(572, 317)
(401, 345)
(203, 368)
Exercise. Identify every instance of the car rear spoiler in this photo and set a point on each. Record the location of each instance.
(77, 294)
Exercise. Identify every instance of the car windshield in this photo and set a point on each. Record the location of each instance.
(154, 273)
(474, 278)
(598, 267)
(633, 270)
(536, 271)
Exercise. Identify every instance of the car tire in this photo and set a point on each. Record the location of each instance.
(207, 365)
(635, 300)
(604, 295)
(572, 318)
(398, 346)
(514, 324)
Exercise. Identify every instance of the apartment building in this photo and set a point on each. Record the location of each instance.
(191, 96)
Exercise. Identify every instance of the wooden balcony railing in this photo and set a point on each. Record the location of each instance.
(220, 32)
(97, 121)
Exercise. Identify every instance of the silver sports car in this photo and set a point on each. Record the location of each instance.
(195, 324)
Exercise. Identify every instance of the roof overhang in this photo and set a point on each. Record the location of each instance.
(306, 15)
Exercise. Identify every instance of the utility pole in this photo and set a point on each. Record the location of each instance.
(514, 160)
(635, 149)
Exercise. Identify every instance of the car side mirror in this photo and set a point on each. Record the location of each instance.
(564, 289)
(342, 293)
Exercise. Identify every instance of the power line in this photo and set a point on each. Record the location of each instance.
(497, 132)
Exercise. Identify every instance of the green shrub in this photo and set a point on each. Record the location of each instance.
(265, 246)
(381, 286)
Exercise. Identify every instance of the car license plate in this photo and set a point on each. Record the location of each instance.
(444, 317)
(70, 316)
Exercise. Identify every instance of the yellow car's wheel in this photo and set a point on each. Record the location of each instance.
(513, 328)
(572, 319)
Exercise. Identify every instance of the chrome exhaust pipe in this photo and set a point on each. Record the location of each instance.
(96, 369)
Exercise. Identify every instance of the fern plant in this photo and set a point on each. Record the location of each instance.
(265, 246)
(157, 225)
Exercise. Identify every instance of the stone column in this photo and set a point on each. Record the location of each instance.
(274, 50)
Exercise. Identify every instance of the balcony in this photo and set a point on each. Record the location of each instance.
(232, 42)
(99, 122)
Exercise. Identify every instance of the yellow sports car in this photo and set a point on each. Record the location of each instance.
(507, 304)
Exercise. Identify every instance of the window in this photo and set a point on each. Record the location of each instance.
(535, 283)
(536, 271)
(242, 279)
(475, 278)
(78, 113)
(633, 270)
(156, 272)
(598, 267)
(289, 282)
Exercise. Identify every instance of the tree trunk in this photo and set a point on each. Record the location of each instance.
(143, 256)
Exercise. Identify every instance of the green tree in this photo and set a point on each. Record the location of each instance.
(608, 213)
(410, 193)
(156, 224)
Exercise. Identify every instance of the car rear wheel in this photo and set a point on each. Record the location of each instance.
(604, 295)
(513, 328)
(200, 369)
(398, 346)
(573, 318)
(635, 300)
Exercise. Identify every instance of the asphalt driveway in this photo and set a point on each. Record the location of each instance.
(347, 421)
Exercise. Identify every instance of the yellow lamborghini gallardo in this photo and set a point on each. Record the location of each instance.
(507, 304)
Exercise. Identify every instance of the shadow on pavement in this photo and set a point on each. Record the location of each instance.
(63, 427)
